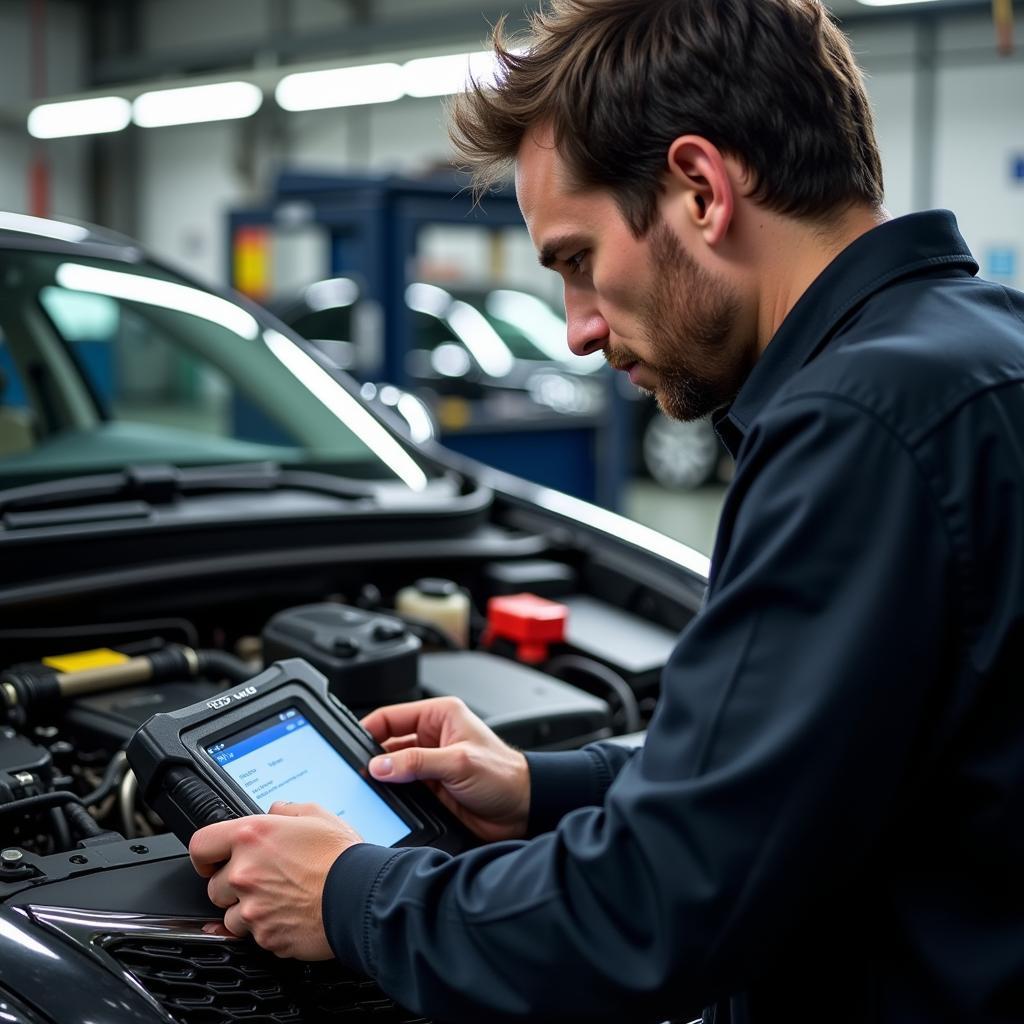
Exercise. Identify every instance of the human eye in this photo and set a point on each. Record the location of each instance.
(575, 262)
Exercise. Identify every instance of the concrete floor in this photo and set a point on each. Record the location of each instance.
(688, 516)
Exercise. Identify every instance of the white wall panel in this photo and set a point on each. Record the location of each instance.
(980, 130)
(409, 135)
(892, 99)
(187, 185)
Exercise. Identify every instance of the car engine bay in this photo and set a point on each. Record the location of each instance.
(554, 648)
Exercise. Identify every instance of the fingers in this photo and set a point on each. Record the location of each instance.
(220, 892)
(403, 719)
(285, 807)
(233, 922)
(447, 764)
(211, 846)
(401, 742)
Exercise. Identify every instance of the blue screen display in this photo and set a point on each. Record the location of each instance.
(285, 758)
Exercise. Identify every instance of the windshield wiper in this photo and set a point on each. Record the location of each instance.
(161, 484)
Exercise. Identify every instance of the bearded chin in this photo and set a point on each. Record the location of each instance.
(689, 319)
(690, 397)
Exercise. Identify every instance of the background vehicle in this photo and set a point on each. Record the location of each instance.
(177, 469)
(499, 345)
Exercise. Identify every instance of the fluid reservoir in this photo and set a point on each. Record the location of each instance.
(442, 603)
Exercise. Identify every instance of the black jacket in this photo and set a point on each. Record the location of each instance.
(827, 821)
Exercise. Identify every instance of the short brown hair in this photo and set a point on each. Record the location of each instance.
(771, 82)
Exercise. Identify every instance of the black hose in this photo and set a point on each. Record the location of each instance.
(110, 781)
(81, 821)
(574, 663)
(85, 826)
(221, 665)
(42, 802)
(61, 832)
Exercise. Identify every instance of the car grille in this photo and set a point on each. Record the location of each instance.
(201, 982)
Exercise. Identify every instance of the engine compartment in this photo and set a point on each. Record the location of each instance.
(79, 844)
(72, 693)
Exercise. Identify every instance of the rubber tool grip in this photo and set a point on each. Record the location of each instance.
(196, 800)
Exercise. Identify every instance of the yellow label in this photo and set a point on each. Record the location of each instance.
(102, 657)
(453, 413)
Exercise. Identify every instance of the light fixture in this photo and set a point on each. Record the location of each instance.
(347, 409)
(152, 292)
(334, 293)
(541, 325)
(474, 330)
(221, 101)
(893, 3)
(428, 299)
(95, 116)
(416, 415)
(445, 76)
(340, 87)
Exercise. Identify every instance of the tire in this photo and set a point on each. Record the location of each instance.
(680, 456)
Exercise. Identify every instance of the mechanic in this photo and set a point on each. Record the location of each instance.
(827, 820)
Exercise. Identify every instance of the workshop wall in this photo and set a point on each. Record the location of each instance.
(968, 156)
(177, 24)
(65, 73)
(886, 54)
(978, 164)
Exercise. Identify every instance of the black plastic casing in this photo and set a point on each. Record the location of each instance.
(369, 659)
(170, 748)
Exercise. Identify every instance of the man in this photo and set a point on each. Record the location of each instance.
(827, 821)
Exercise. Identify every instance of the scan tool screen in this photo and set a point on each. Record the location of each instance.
(284, 757)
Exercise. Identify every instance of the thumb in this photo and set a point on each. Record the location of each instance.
(288, 809)
(447, 764)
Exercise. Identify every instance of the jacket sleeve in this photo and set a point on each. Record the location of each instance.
(563, 781)
(784, 733)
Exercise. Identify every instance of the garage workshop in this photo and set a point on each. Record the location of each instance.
(511, 512)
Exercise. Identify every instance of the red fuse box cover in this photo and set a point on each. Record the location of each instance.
(531, 622)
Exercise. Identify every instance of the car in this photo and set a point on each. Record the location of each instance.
(485, 344)
(502, 346)
(182, 477)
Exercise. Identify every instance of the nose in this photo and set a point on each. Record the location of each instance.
(587, 328)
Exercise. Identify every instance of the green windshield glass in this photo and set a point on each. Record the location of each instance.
(104, 364)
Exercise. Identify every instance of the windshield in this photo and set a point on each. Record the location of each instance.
(104, 364)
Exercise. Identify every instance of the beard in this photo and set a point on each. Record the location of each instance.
(687, 322)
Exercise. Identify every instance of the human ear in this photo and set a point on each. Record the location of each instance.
(699, 171)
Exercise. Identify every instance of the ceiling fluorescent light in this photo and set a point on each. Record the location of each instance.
(892, 3)
(94, 116)
(223, 101)
(340, 87)
(445, 76)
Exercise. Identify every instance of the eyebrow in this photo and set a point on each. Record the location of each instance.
(548, 255)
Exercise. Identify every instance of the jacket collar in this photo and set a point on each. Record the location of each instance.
(896, 249)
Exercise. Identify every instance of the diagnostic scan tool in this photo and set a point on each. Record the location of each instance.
(281, 736)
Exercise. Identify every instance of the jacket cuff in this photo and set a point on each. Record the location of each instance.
(561, 782)
(345, 905)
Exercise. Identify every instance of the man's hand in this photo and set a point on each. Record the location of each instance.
(482, 780)
(268, 872)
